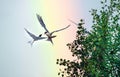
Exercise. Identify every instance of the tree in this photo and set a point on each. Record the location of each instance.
(96, 53)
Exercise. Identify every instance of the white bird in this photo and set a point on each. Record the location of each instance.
(47, 33)
(35, 38)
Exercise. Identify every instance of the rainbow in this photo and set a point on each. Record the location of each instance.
(55, 14)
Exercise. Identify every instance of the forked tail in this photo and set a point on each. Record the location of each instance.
(31, 43)
(50, 39)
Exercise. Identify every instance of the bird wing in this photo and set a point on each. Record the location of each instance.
(42, 38)
(73, 22)
(32, 35)
(60, 29)
(42, 22)
(78, 25)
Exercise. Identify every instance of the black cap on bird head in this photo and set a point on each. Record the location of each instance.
(45, 32)
(40, 35)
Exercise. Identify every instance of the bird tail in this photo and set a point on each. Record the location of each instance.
(31, 43)
(50, 40)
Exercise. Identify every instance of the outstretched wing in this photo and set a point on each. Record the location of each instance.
(32, 35)
(73, 22)
(77, 25)
(42, 22)
(60, 29)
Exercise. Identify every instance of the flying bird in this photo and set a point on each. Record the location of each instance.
(47, 33)
(35, 38)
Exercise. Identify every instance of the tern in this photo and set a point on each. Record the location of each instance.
(47, 33)
(35, 38)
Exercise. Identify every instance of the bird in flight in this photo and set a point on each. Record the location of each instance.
(35, 38)
(47, 33)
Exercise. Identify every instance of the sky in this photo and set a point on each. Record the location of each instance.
(17, 57)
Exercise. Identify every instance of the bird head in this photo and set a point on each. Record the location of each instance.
(45, 32)
(40, 35)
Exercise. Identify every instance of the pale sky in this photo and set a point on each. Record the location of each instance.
(17, 57)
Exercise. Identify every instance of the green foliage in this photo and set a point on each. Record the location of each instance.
(96, 53)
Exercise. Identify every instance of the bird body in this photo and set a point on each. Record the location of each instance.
(47, 33)
(35, 38)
